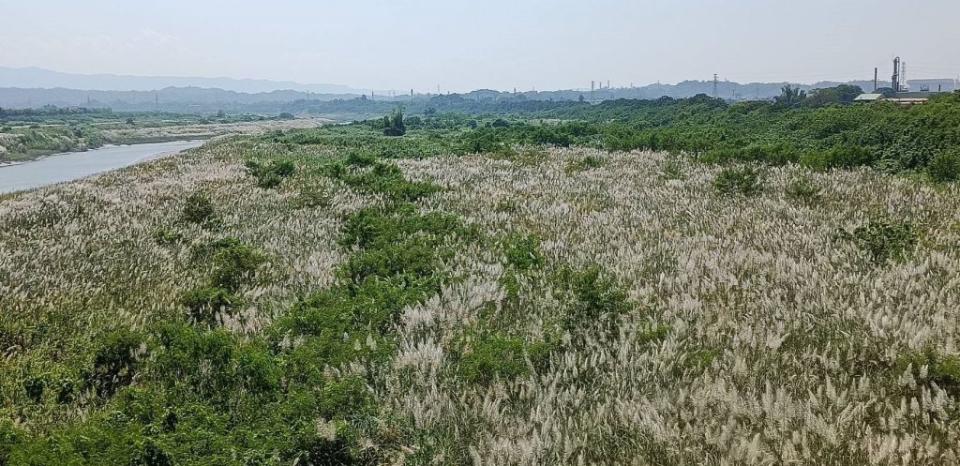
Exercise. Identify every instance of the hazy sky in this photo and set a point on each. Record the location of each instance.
(502, 44)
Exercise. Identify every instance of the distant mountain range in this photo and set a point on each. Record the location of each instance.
(34, 87)
(34, 78)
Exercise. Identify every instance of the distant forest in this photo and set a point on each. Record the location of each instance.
(350, 106)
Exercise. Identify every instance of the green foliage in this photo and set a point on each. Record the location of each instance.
(839, 157)
(803, 189)
(198, 209)
(235, 265)
(743, 180)
(490, 357)
(483, 141)
(271, 175)
(523, 252)
(672, 169)
(943, 370)
(166, 236)
(945, 167)
(9, 438)
(839, 95)
(206, 305)
(386, 179)
(360, 158)
(115, 362)
(312, 197)
(883, 240)
(791, 97)
(589, 162)
(393, 124)
(596, 299)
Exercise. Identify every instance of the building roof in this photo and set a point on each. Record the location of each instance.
(868, 97)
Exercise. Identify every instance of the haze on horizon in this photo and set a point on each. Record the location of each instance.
(461, 46)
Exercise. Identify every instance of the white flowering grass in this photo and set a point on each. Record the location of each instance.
(783, 341)
(81, 259)
(755, 332)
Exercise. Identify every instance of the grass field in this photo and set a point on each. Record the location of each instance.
(333, 296)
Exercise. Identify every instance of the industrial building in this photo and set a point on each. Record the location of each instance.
(904, 92)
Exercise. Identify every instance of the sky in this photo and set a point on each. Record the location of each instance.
(498, 44)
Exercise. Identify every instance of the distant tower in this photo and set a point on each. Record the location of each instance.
(903, 77)
(895, 79)
(876, 75)
(716, 82)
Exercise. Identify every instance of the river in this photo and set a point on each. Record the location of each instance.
(75, 165)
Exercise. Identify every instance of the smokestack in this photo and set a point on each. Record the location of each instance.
(895, 79)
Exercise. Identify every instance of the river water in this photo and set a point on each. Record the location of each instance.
(75, 165)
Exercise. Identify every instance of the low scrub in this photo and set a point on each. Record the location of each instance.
(272, 174)
(744, 181)
(945, 167)
(198, 209)
(883, 240)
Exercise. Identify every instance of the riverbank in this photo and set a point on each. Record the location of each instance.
(26, 141)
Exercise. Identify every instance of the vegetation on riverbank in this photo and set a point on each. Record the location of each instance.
(486, 290)
(29, 134)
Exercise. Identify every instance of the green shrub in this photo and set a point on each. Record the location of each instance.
(317, 450)
(167, 236)
(360, 158)
(945, 167)
(198, 209)
(482, 141)
(597, 299)
(312, 198)
(589, 162)
(672, 169)
(205, 305)
(272, 175)
(490, 357)
(10, 436)
(839, 157)
(34, 387)
(944, 370)
(235, 266)
(802, 189)
(387, 179)
(345, 399)
(115, 362)
(148, 453)
(523, 252)
(883, 240)
(393, 124)
(207, 251)
(744, 180)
